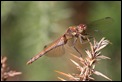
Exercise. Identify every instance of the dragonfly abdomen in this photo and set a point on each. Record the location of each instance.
(61, 41)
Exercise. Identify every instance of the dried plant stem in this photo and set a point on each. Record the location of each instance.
(5, 72)
(88, 63)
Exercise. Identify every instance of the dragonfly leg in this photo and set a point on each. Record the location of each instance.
(75, 40)
(80, 37)
(77, 50)
(83, 38)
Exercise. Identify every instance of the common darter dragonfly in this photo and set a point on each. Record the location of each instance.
(73, 32)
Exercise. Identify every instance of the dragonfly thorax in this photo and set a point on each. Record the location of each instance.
(72, 31)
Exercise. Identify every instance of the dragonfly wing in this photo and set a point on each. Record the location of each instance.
(78, 42)
(59, 42)
(78, 45)
(70, 42)
(59, 51)
(100, 26)
(100, 22)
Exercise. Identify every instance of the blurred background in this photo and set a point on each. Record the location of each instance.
(26, 27)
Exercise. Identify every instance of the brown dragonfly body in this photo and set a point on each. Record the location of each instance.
(75, 33)
(72, 32)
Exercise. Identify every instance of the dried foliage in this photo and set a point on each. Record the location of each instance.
(5, 72)
(88, 63)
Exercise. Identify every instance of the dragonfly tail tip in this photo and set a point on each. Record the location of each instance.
(28, 63)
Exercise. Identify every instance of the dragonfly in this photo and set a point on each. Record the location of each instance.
(73, 32)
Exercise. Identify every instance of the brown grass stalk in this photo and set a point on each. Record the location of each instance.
(88, 63)
(5, 71)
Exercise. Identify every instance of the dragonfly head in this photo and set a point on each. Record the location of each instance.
(81, 28)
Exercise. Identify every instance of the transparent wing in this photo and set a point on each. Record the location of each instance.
(79, 41)
(80, 46)
(100, 27)
(101, 22)
(61, 50)
(59, 42)
(58, 51)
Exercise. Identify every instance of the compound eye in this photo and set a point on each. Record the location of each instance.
(82, 27)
